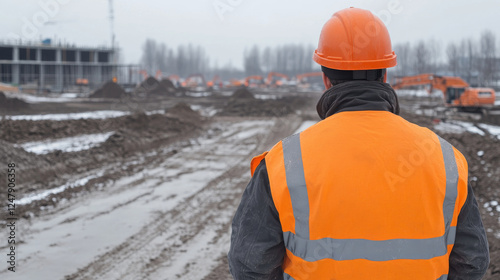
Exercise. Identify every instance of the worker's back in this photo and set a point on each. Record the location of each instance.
(361, 195)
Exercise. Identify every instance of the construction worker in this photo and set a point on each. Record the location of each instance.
(363, 194)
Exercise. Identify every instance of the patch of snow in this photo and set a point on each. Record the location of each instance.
(56, 98)
(480, 153)
(72, 116)
(458, 127)
(412, 92)
(204, 111)
(78, 183)
(492, 129)
(69, 144)
(265, 96)
(69, 95)
(155, 112)
(199, 94)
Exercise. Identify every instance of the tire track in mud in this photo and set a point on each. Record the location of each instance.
(187, 242)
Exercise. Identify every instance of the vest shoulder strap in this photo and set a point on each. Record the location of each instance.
(256, 161)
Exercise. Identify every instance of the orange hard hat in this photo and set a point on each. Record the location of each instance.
(355, 39)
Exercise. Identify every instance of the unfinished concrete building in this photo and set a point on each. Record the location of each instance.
(57, 68)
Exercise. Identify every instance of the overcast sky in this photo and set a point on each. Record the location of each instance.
(226, 27)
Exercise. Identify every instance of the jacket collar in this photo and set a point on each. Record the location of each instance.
(358, 96)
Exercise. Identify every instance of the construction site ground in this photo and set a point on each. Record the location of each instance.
(146, 188)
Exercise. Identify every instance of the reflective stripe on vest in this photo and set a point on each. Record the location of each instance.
(288, 277)
(350, 249)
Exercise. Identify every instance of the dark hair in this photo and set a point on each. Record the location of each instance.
(340, 76)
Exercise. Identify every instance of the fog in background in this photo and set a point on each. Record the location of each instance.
(257, 36)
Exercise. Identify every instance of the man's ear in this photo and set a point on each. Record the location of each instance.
(326, 82)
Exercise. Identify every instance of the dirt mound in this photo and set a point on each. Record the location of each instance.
(20, 131)
(251, 107)
(242, 93)
(29, 163)
(11, 104)
(152, 86)
(183, 112)
(143, 132)
(109, 90)
(169, 85)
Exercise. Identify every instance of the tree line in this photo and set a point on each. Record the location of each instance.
(290, 59)
(476, 61)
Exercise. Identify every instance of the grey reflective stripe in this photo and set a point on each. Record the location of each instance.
(287, 277)
(450, 166)
(443, 277)
(296, 183)
(350, 249)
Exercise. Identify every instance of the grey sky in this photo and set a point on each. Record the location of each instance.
(226, 33)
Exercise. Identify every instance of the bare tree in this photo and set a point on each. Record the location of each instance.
(469, 60)
(434, 59)
(421, 54)
(252, 61)
(405, 63)
(162, 58)
(148, 59)
(487, 59)
(453, 54)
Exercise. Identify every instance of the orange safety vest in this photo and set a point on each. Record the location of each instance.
(366, 195)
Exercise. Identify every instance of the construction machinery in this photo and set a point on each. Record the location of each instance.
(457, 92)
(303, 81)
(195, 82)
(302, 77)
(277, 83)
(215, 82)
(254, 81)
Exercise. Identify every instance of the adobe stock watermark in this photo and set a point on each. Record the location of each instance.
(30, 27)
(222, 7)
(408, 164)
(372, 29)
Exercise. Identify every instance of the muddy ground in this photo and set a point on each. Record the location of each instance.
(155, 200)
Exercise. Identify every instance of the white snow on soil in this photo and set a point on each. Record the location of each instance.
(458, 127)
(59, 98)
(492, 129)
(60, 244)
(199, 94)
(461, 127)
(265, 96)
(412, 92)
(78, 183)
(69, 144)
(72, 116)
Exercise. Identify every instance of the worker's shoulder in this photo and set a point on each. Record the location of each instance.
(461, 160)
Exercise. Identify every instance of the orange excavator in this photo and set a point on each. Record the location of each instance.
(216, 81)
(269, 80)
(257, 78)
(300, 78)
(194, 81)
(457, 92)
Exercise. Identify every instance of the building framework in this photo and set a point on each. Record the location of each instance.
(56, 68)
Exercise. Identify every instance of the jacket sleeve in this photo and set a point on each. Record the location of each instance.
(470, 257)
(257, 248)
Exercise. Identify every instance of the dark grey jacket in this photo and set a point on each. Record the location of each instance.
(257, 247)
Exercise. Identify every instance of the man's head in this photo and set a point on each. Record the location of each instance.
(354, 45)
